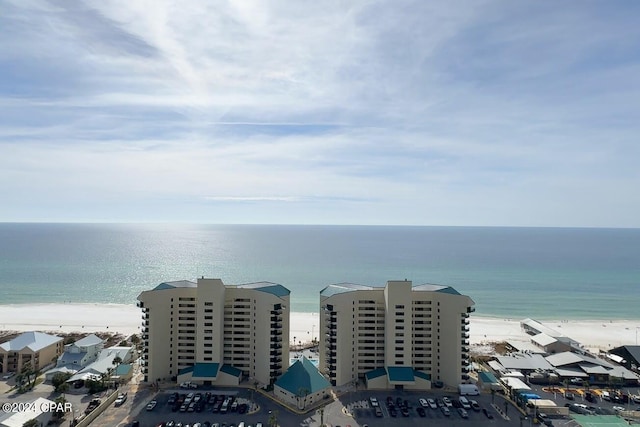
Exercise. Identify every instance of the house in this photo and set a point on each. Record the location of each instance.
(77, 355)
(36, 348)
(105, 365)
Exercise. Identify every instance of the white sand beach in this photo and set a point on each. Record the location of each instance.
(126, 319)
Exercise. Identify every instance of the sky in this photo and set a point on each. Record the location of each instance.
(464, 113)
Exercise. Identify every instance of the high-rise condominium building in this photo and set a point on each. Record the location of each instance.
(210, 333)
(396, 336)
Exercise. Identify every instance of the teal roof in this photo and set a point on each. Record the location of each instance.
(375, 373)
(230, 370)
(427, 287)
(123, 370)
(268, 287)
(487, 377)
(340, 288)
(185, 370)
(400, 373)
(302, 376)
(422, 375)
(176, 284)
(205, 370)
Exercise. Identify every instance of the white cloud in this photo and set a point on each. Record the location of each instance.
(434, 113)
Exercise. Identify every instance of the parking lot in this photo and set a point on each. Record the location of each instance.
(351, 409)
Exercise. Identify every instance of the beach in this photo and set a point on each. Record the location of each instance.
(126, 319)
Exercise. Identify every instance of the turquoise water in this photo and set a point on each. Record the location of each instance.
(509, 272)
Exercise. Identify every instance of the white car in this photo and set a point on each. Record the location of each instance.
(423, 403)
(151, 405)
(8, 375)
(122, 397)
(447, 401)
(432, 403)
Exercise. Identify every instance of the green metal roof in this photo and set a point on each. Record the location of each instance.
(176, 284)
(302, 377)
(427, 287)
(422, 375)
(487, 377)
(268, 287)
(228, 369)
(205, 370)
(400, 373)
(185, 370)
(340, 288)
(376, 373)
(600, 420)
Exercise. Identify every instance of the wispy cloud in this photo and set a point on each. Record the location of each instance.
(461, 112)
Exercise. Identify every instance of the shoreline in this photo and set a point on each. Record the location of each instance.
(125, 319)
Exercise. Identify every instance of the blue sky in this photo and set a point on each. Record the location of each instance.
(360, 112)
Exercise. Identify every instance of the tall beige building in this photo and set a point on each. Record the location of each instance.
(396, 336)
(211, 333)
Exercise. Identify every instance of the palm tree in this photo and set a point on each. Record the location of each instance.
(273, 419)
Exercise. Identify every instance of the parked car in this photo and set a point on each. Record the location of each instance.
(474, 405)
(92, 405)
(445, 410)
(487, 413)
(447, 401)
(188, 384)
(432, 403)
(463, 413)
(122, 397)
(151, 405)
(423, 402)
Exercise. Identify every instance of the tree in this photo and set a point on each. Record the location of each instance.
(59, 379)
(60, 401)
(273, 419)
(31, 423)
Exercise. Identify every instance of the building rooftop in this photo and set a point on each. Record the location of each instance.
(205, 370)
(35, 341)
(340, 288)
(270, 288)
(302, 375)
(176, 284)
(89, 340)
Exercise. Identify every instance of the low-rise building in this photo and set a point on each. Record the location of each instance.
(35, 348)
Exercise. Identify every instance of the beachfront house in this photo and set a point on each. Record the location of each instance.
(77, 355)
(37, 349)
(104, 365)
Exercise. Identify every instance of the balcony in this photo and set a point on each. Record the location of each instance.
(465, 315)
(275, 346)
(276, 326)
(465, 349)
(275, 353)
(276, 332)
(464, 342)
(276, 318)
(471, 309)
(465, 328)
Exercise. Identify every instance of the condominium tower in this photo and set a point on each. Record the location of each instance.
(396, 336)
(211, 333)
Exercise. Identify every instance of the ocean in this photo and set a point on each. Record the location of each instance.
(543, 273)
